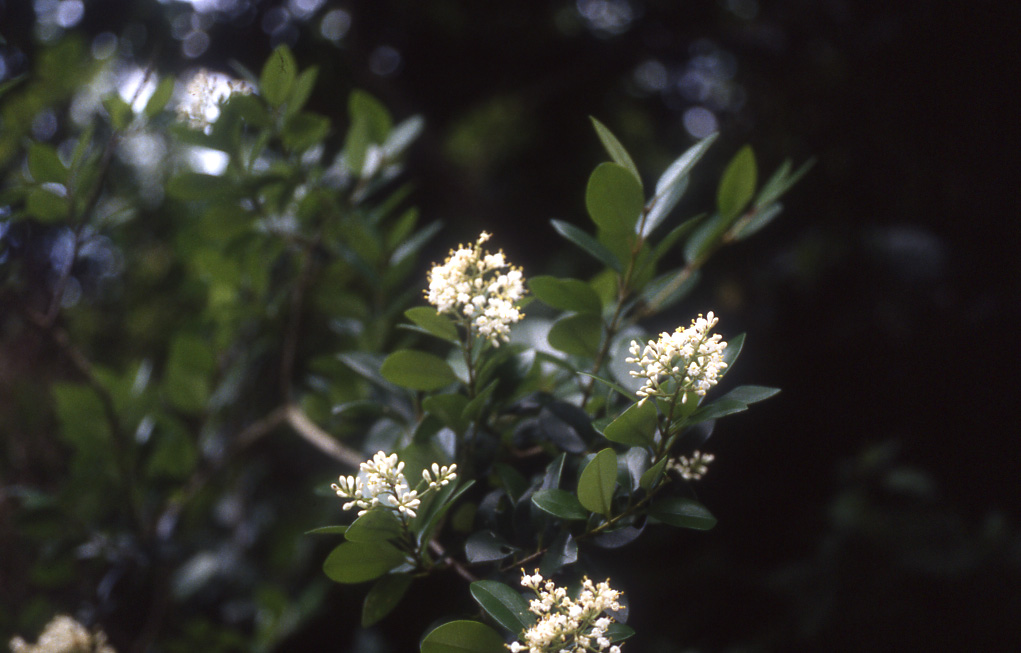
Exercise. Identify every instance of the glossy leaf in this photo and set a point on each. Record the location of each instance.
(650, 478)
(357, 562)
(278, 76)
(683, 164)
(45, 165)
(636, 426)
(377, 525)
(559, 503)
(402, 136)
(417, 370)
(429, 319)
(660, 206)
(781, 182)
(598, 481)
(733, 350)
(737, 185)
(717, 409)
(385, 595)
(587, 243)
(463, 637)
(327, 530)
(486, 546)
(682, 512)
(613, 198)
(578, 335)
(757, 221)
(566, 294)
(615, 149)
(504, 604)
(562, 551)
(705, 238)
(751, 394)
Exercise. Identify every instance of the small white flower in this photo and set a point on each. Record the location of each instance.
(469, 283)
(694, 468)
(204, 94)
(687, 360)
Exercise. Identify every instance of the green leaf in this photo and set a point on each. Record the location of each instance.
(402, 136)
(635, 427)
(159, 98)
(737, 185)
(302, 90)
(751, 394)
(45, 165)
(463, 637)
(486, 546)
(588, 243)
(449, 409)
(673, 236)
(303, 130)
(781, 182)
(370, 124)
(733, 350)
(680, 168)
(615, 149)
(187, 381)
(559, 503)
(327, 530)
(652, 475)
(119, 111)
(598, 481)
(614, 198)
(504, 604)
(717, 409)
(357, 562)
(46, 206)
(756, 221)
(190, 186)
(175, 454)
(278, 76)
(473, 409)
(566, 294)
(385, 595)
(84, 425)
(578, 335)
(417, 370)
(704, 239)
(377, 525)
(682, 512)
(429, 319)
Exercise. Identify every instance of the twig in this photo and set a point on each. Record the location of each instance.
(320, 439)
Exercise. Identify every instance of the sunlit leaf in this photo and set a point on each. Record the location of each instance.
(159, 98)
(278, 76)
(357, 562)
(598, 481)
(463, 637)
(737, 185)
(636, 426)
(417, 370)
(587, 243)
(578, 335)
(559, 503)
(45, 165)
(566, 294)
(613, 198)
(504, 604)
(615, 149)
(376, 525)
(438, 325)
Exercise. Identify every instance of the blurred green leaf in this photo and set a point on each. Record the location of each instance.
(578, 335)
(385, 595)
(417, 370)
(781, 182)
(45, 165)
(357, 562)
(174, 454)
(429, 319)
(613, 198)
(302, 90)
(119, 111)
(673, 182)
(327, 530)
(615, 149)
(84, 424)
(737, 185)
(598, 481)
(449, 409)
(187, 381)
(682, 512)
(504, 604)
(303, 130)
(45, 206)
(463, 637)
(402, 136)
(190, 186)
(377, 525)
(636, 426)
(159, 98)
(704, 239)
(751, 394)
(588, 243)
(566, 294)
(278, 76)
(559, 503)
(756, 221)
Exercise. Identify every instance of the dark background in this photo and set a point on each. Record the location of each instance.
(874, 504)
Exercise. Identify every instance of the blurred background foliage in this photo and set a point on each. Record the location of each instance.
(872, 506)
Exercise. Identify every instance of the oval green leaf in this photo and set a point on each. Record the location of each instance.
(615, 149)
(438, 325)
(278, 76)
(385, 595)
(566, 294)
(504, 604)
(635, 427)
(737, 185)
(614, 198)
(45, 165)
(374, 526)
(417, 370)
(598, 481)
(578, 335)
(559, 503)
(683, 512)
(357, 562)
(463, 637)
(588, 243)
(650, 478)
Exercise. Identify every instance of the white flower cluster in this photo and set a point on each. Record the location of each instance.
(479, 285)
(694, 468)
(204, 94)
(691, 358)
(568, 625)
(384, 484)
(63, 635)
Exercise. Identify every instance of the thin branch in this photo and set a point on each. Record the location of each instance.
(461, 570)
(320, 439)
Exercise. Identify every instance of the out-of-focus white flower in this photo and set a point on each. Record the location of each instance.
(476, 284)
(694, 468)
(204, 94)
(382, 483)
(567, 624)
(64, 635)
(687, 360)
